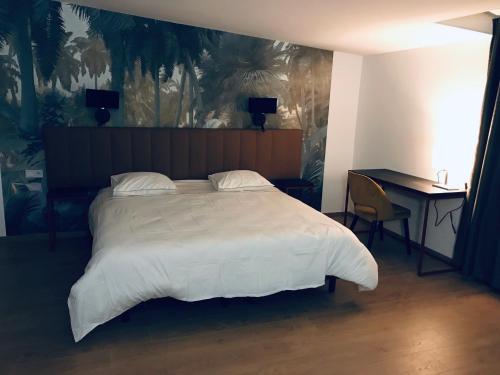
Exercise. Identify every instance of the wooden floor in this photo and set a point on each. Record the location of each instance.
(409, 325)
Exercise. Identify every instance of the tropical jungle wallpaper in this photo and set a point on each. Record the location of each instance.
(168, 75)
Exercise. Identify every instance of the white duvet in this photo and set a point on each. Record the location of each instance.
(199, 243)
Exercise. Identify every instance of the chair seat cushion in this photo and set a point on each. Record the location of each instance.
(370, 214)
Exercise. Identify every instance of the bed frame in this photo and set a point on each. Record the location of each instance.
(83, 158)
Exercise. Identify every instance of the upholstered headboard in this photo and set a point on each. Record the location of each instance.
(86, 157)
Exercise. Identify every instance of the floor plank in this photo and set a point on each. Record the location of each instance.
(433, 325)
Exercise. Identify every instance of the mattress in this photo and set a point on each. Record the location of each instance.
(198, 243)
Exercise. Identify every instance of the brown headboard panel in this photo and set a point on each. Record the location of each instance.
(86, 157)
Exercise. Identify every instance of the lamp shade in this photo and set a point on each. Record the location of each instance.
(262, 105)
(102, 98)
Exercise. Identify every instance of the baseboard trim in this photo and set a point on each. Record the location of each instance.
(416, 246)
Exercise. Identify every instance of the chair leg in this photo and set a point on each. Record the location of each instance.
(354, 221)
(407, 236)
(381, 230)
(373, 229)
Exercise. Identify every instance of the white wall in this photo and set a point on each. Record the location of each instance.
(344, 95)
(419, 112)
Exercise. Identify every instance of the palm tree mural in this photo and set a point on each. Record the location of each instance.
(154, 45)
(190, 47)
(192, 43)
(309, 99)
(115, 31)
(9, 87)
(167, 75)
(37, 28)
(9, 75)
(139, 88)
(237, 68)
(94, 57)
(67, 68)
(5, 23)
(307, 92)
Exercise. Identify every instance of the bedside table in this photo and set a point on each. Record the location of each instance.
(295, 187)
(73, 194)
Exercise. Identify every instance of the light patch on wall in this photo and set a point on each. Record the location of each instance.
(455, 116)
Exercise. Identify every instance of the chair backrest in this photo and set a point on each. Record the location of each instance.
(366, 192)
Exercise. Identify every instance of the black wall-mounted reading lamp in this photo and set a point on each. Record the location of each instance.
(102, 100)
(258, 107)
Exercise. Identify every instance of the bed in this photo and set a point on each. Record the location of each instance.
(199, 243)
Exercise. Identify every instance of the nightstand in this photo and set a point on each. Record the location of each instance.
(295, 187)
(73, 194)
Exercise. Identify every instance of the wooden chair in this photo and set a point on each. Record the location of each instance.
(371, 204)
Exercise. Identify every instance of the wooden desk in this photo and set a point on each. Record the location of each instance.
(419, 186)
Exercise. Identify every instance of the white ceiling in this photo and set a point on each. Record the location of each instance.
(358, 26)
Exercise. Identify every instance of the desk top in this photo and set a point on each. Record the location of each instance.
(408, 182)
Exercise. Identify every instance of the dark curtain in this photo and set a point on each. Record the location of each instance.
(477, 247)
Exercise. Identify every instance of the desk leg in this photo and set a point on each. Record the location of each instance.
(51, 223)
(452, 267)
(346, 203)
(422, 242)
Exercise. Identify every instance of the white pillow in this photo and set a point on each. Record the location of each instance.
(239, 180)
(141, 183)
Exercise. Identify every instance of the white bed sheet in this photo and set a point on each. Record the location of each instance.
(198, 243)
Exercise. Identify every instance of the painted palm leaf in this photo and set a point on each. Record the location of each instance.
(94, 57)
(237, 68)
(49, 35)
